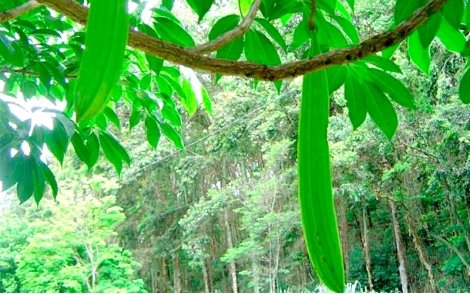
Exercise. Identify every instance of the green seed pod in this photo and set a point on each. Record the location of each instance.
(315, 190)
(105, 44)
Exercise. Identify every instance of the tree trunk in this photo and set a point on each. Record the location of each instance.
(164, 275)
(399, 246)
(232, 268)
(176, 274)
(343, 229)
(365, 242)
(421, 253)
(206, 276)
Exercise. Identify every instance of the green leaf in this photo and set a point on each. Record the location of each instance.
(405, 8)
(28, 88)
(224, 25)
(201, 7)
(206, 100)
(419, 55)
(189, 99)
(336, 77)
(113, 150)
(272, 32)
(428, 31)
(355, 100)
(381, 110)
(393, 87)
(349, 28)
(50, 178)
(329, 35)
(112, 117)
(153, 133)
(106, 40)
(244, 6)
(273, 9)
(301, 35)
(6, 49)
(454, 40)
(172, 135)
(234, 49)
(383, 63)
(25, 177)
(87, 149)
(38, 180)
(259, 49)
(170, 31)
(155, 63)
(168, 4)
(135, 118)
(453, 12)
(231, 51)
(171, 114)
(351, 4)
(57, 141)
(464, 88)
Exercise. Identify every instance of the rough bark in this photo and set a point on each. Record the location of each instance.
(421, 253)
(228, 232)
(206, 277)
(399, 247)
(365, 242)
(343, 229)
(176, 274)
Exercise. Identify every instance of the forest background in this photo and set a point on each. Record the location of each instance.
(223, 216)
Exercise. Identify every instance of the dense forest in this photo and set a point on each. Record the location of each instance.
(222, 214)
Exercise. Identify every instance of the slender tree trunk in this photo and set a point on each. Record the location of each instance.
(365, 242)
(343, 229)
(176, 274)
(153, 278)
(399, 246)
(206, 277)
(164, 275)
(421, 253)
(231, 266)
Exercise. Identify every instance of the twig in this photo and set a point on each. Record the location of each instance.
(231, 35)
(185, 57)
(17, 11)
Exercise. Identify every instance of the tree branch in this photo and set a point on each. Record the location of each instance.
(454, 249)
(17, 11)
(231, 35)
(185, 57)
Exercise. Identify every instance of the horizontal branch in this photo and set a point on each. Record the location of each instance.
(230, 35)
(17, 11)
(185, 57)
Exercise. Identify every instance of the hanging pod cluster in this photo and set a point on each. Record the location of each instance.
(315, 190)
(100, 68)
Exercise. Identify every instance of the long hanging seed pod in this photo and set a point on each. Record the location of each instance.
(105, 44)
(315, 190)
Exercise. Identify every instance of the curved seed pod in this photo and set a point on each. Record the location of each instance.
(315, 191)
(105, 44)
